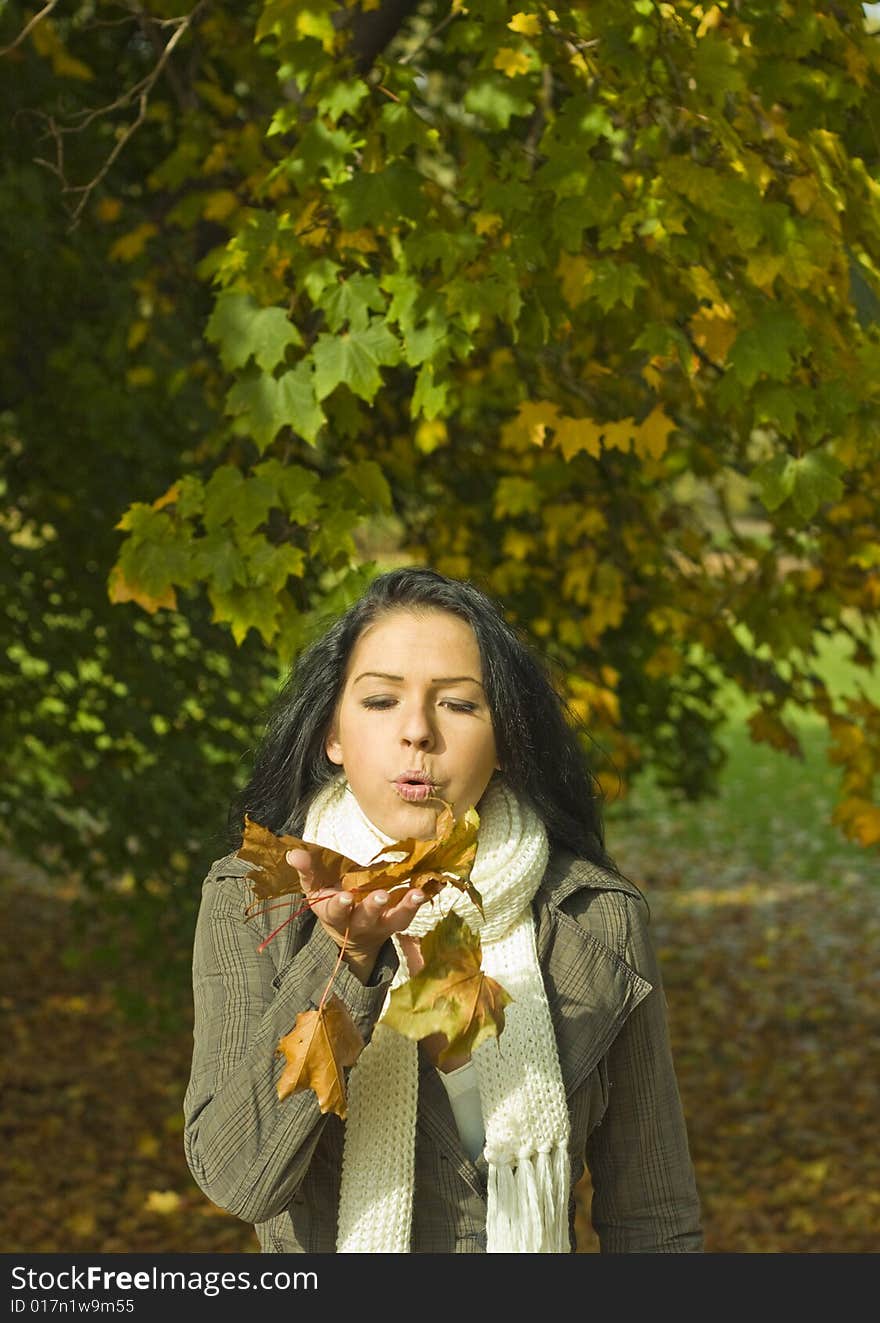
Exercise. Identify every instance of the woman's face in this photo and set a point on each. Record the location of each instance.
(413, 702)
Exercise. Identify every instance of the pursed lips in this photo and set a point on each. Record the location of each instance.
(414, 786)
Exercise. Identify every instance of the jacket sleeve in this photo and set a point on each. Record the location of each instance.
(645, 1197)
(247, 1150)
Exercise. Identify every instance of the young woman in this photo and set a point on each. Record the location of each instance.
(422, 692)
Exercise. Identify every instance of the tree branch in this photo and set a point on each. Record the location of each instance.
(29, 26)
(139, 94)
(372, 32)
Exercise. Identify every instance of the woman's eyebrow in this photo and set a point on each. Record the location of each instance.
(398, 679)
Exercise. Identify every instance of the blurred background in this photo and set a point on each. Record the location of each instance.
(580, 302)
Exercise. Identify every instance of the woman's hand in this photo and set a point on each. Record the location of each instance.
(364, 928)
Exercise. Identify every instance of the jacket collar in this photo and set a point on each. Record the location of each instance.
(566, 874)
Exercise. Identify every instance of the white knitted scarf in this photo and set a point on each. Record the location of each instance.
(520, 1082)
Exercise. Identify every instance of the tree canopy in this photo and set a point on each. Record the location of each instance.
(580, 301)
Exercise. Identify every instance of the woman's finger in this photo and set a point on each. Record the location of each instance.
(304, 864)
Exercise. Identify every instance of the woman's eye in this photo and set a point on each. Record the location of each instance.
(459, 707)
(380, 704)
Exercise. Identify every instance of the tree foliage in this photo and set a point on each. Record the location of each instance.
(580, 301)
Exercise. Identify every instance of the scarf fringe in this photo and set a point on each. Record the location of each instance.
(528, 1205)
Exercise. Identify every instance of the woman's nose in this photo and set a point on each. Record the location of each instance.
(417, 729)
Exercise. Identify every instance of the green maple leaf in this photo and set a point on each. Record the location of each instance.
(816, 480)
(615, 282)
(270, 564)
(386, 197)
(247, 608)
(492, 98)
(297, 488)
(808, 481)
(404, 289)
(270, 403)
(343, 98)
(219, 561)
(256, 497)
(321, 150)
(370, 484)
(775, 480)
(782, 404)
(318, 275)
(429, 396)
(157, 553)
(402, 128)
(767, 347)
(716, 67)
(354, 357)
(241, 329)
(352, 301)
(426, 340)
(221, 493)
(660, 338)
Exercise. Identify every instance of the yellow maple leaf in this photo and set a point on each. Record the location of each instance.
(517, 544)
(530, 424)
(220, 204)
(573, 435)
(710, 20)
(359, 241)
(665, 660)
(64, 65)
(703, 284)
(511, 62)
(713, 331)
(129, 246)
(763, 268)
(805, 191)
(487, 222)
(617, 435)
(527, 25)
(856, 64)
(573, 273)
(430, 434)
(651, 437)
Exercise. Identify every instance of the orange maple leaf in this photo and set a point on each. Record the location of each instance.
(318, 1048)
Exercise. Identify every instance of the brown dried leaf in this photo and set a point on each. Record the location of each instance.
(275, 876)
(430, 864)
(447, 857)
(318, 1047)
(451, 994)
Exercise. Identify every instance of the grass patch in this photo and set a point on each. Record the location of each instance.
(773, 812)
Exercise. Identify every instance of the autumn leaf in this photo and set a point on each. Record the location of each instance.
(276, 877)
(318, 1048)
(451, 994)
(447, 857)
(120, 590)
(428, 865)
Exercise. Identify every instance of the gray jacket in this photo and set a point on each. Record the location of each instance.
(277, 1164)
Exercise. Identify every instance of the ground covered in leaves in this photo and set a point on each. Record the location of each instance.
(774, 1012)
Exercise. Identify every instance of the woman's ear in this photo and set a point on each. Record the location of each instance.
(333, 748)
